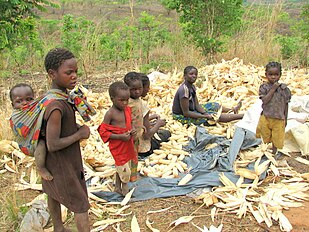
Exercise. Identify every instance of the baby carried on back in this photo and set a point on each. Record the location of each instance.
(26, 122)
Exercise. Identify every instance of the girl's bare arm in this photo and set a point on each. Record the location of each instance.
(53, 129)
(184, 103)
(199, 108)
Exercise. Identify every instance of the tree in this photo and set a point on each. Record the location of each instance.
(305, 33)
(17, 20)
(208, 23)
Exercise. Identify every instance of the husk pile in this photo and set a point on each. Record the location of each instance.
(227, 82)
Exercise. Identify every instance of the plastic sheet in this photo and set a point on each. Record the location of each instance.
(36, 218)
(206, 165)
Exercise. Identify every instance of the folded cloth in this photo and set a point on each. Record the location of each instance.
(122, 151)
(26, 122)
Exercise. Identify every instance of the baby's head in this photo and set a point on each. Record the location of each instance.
(133, 80)
(20, 95)
(119, 94)
(146, 84)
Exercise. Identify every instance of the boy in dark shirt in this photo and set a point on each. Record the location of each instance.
(275, 97)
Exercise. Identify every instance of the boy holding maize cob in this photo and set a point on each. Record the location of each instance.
(133, 80)
(275, 97)
(152, 123)
(186, 107)
(116, 129)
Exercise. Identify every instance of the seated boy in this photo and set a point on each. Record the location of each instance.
(116, 129)
(21, 95)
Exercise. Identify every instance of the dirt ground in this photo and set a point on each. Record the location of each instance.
(180, 206)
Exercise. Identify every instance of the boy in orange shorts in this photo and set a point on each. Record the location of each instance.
(275, 97)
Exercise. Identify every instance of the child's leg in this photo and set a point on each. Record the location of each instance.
(82, 222)
(124, 188)
(230, 117)
(55, 213)
(274, 149)
(133, 176)
(278, 134)
(123, 174)
(234, 109)
(40, 156)
(117, 184)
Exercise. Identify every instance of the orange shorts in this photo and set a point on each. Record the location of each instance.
(271, 130)
(124, 172)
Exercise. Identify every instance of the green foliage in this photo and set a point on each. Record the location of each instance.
(116, 44)
(75, 32)
(124, 40)
(151, 33)
(206, 22)
(304, 22)
(295, 41)
(17, 20)
(289, 46)
(5, 73)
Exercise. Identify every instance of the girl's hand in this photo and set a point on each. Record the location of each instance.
(84, 132)
(208, 116)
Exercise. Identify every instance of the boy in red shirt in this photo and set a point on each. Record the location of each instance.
(116, 129)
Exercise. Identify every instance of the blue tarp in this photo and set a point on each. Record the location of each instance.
(205, 166)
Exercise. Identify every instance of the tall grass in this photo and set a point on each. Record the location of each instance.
(9, 204)
(255, 41)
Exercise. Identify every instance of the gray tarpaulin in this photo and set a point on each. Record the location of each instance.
(206, 165)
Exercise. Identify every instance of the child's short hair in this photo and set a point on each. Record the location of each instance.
(188, 69)
(114, 87)
(145, 79)
(17, 86)
(56, 57)
(274, 64)
(131, 76)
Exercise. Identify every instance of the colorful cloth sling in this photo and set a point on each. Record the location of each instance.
(26, 122)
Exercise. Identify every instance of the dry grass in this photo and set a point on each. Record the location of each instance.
(9, 209)
(255, 43)
(5, 130)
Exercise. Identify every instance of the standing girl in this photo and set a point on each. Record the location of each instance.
(63, 158)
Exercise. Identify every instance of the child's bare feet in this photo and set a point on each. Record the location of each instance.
(237, 107)
(45, 174)
(125, 189)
